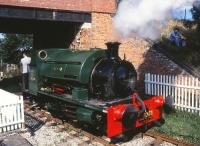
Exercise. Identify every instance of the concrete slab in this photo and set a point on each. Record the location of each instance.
(14, 140)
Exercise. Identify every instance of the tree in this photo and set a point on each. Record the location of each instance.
(12, 46)
(196, 14)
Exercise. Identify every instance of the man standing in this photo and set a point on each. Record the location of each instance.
(25, 61)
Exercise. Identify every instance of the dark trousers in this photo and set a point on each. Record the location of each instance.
(25, 81)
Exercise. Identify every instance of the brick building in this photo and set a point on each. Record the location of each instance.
(100, 30)
(136, 50)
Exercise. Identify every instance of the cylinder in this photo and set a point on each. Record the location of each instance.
(84, 115)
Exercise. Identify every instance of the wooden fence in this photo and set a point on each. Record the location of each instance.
(11, 112)
(184, 90)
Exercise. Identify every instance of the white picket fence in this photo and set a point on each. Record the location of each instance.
(184, 90)
(11, 112)
(1, 75)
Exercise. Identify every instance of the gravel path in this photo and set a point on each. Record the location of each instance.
(145, 141)
(49, 136)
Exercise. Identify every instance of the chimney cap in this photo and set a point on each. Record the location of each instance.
(113, 43)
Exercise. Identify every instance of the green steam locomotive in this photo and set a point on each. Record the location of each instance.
(93, 86)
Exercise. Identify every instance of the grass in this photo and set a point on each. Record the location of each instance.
(189, 55)
(182, 125)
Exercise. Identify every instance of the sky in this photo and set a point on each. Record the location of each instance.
(180, 13)
(1, 36)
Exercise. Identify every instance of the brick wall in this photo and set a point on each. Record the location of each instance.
(156, 63)
(147, 60)
(82, 39)
(102, 29)
(105, 6)
(97, 34)
(135, 50)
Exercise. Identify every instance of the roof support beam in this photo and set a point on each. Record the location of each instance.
(43, 14)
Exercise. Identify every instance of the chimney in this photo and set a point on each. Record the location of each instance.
(112, 50)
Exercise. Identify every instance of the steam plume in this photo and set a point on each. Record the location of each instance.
(145, 18)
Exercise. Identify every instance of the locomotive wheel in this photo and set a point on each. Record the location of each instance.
(40, 101)
(127, 136)
(103, 126)
(129, 117)
(169, 105)
(104, 129)
(79, 124)
(159, 122)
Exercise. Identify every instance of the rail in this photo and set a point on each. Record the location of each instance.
(161, 137)
(46, 116)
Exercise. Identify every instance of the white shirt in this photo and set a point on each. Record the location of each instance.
(25, 62)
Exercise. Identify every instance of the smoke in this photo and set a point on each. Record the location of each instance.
(145, 18)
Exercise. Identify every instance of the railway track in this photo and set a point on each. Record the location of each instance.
(45, 117)
(160, 138)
